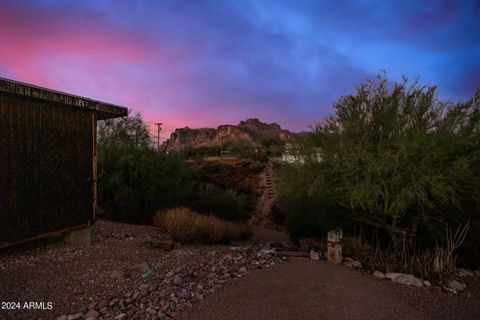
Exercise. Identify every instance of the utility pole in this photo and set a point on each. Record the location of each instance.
(159, 128)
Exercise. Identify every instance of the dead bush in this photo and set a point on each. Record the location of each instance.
(437, 264)
(186, 226)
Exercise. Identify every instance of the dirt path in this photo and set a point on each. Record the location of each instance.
(308, 289)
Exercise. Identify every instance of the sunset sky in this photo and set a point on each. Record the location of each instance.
(205, 63)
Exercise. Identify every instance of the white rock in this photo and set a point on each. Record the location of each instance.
(454, 284)
(378, 274)
(409, 280)
(357, 264)
(314, 255)
(392, 275)
(427, 283)
(464, 273)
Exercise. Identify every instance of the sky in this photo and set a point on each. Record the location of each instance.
(205, 63)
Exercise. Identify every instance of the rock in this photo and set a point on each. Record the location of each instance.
(151, 311)
(357, 264)
(102, 304)
(392, 275)
(92, 313)
(464, 273)
(117, 274)
(314, 255)
(63, 317)
(121, 316)
(75, 316)
(242, 270)
(427, 283)
(455, 285)
(92, 305)
(409, 280)
(378, 274)
(177, 280)
(140, 267)
(348, 264)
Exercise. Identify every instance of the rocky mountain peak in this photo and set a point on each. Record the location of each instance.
(250, 129)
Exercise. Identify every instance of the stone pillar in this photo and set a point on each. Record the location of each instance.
(79, 237)
(334, 247)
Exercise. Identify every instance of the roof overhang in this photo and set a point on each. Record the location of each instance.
(102, 109)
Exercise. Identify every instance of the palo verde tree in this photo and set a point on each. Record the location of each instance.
(394, 155)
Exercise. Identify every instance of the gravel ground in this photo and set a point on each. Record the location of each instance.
(309, 289)
(125, 274)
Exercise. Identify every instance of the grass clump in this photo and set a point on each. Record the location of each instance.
(186, 226)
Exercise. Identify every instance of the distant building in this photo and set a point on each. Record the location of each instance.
(47, 160)
(293, 154)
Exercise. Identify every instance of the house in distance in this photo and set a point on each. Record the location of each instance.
(48, 162)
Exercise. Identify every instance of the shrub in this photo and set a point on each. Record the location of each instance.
(224, 204)
(394, 157)
(186, 226)
(134, 181)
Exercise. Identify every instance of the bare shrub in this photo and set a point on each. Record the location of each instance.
(186, 226)
(437, 264)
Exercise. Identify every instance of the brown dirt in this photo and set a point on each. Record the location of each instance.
(308, 289)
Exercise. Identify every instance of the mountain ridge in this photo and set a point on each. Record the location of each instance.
(251, 129)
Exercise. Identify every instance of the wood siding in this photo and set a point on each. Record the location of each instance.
(47, 167)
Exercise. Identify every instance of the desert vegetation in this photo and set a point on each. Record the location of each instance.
(136, 182)
(399, 167)
(187, 226)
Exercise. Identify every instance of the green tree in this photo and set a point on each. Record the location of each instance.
(395, 156)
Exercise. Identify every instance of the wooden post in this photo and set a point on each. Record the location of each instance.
(334, 247)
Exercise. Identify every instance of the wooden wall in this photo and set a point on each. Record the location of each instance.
(47, 167)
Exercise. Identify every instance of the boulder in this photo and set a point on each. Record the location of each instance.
(357, 264)
(409, 280)
(464, 273)
(314, 255)
(456, 285)
(392, 275)
(427, 283)
(378, 274)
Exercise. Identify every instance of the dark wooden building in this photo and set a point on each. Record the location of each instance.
(47, 160)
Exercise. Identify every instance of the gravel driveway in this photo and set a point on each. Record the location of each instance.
(308, 289)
